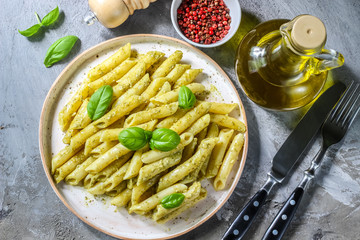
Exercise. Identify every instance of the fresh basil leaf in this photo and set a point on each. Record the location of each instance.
(30, 31)
(164, 139)
(148, 135)
(134, 138)
(99, 102)
(59, 50)
(51, 17)
(186, 98)
(173, 200)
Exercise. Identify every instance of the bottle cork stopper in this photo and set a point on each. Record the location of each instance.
(308, 33)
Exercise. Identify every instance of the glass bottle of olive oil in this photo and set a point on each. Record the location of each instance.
(282, 64)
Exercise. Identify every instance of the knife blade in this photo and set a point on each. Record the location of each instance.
(287, 156)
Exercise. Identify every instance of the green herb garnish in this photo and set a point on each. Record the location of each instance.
(134, 138)
(186, 98)
(59, 50)
(49, 19)
(173, 200)
(99, 102)
(164, 139)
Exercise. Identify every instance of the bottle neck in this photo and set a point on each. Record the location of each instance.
(286, 66)
(290, 62)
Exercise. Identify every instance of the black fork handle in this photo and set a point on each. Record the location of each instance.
(283, 218)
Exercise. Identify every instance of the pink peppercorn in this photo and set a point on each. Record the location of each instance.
(204, 21)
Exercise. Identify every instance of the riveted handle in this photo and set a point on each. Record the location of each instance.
(247, 215)
(283, 218)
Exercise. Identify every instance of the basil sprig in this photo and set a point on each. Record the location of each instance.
(49, 19)
(134, 138)
(173, 200)
(164, 139)
(186, 98)
(99, 102)
(59, 50)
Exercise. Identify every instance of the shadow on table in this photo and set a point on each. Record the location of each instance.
(342, 74)
(142, 21)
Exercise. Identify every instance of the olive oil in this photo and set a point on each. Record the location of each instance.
(275, 74)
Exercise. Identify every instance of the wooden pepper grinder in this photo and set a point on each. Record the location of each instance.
(112, 13)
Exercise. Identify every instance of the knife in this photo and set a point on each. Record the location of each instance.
(286, 157)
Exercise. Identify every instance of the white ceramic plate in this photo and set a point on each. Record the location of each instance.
(97, 211)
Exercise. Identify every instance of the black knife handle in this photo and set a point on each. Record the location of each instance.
(247, 215)
(282, 220)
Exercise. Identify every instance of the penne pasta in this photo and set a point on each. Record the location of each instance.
(79, 173)
(135, 164)
(69, 166)
(108, 171)
(113, 134)
(167, 65)
(222, 108)
(187, 78)
(117, 190)
(229, 122)
(153, 88)
(122, 199)
(110, 63)
(189, 150)
(68, 111)
(92, 142)
(150, 170)
(107, 158)
(192, 193)
(129, 79)
(116, 178)
(218, 153)
(131, 183)
(190, 165)
(170, 120)
(102, 148)
(213, 131)
(118, 112)
(173, 96)
(153, 113)
(80, 121)
(111, 78)
(183, 207)
(140, 189)
(146, 95)
(137, 89)
(199, 125)
(155, 155)
(60, 158)
(190, 117)
(230, 158)
(145, 206)
(151, 57)
(177, 71)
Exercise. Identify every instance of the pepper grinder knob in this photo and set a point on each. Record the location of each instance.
(112, 13)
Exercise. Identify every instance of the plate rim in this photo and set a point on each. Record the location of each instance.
(108, 42)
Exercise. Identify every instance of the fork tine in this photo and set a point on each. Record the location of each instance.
(351, 113)
(338, 111)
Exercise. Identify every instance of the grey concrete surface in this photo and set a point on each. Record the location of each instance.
(29, 209)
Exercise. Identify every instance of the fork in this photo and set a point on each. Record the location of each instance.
(332, 131)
